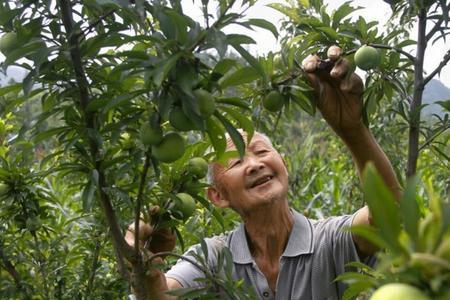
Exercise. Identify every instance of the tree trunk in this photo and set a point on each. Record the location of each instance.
(414, 108)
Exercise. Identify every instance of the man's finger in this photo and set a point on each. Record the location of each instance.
(353, 85)
(334, 53)
(340, 69)
(162, 240)
(310, 63)
(145, 230)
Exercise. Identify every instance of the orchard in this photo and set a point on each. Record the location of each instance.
(124, 104)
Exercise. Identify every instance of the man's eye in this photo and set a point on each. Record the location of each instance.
(263, 151)
(235, 163)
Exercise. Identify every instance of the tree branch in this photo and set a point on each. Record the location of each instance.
(438, 24)
(433, 30)
(93, 24)
(137, 212)
(414, 124)
(10, 268)
(208, 274)
(82, 82)
(93, 269)
(433, 137)
(380, 46)
(444, 61)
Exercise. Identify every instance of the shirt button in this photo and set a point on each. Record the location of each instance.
(266, 294)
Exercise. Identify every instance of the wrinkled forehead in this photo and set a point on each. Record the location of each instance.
(257, 138)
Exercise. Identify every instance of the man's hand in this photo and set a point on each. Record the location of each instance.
(157, 241)
(152, 242)
(338, 89)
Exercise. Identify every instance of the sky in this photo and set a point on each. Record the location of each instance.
(376, 10)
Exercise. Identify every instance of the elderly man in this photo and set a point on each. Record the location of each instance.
(276, 250)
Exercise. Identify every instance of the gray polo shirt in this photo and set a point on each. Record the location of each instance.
(317, 252)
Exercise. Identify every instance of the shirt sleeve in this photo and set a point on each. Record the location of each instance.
(185, 272)
(341, 249)
(189, 275)
(343, 246)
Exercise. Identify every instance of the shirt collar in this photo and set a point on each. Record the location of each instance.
(300, 240)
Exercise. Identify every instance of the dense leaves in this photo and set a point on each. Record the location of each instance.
(78, 136)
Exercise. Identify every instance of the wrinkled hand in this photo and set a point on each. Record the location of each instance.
(339, 91)
(161, 240)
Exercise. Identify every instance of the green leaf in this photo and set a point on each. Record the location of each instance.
(28, 83)
(49, 133)
(406, 43)
(204, 249)
(304, 3)
(224, 65)
(239, 39)
(343, 11)
(265, 25)
(180, 23)
(350, 277)
(244, 122)
(189, 292)
(235, 136)
(228, 260)
(235, 101)
(218, 216)
(14, 88)
(251, 60)
(105, 104)
(410, 209)
(355, 289)
(216, 135)
(330, 32)
(163, 68)
(240, 76)
(445, 104)
(382, 207)
(286, 10)
(369, 233)
(218, 40)
(307, 103)
(88, 195)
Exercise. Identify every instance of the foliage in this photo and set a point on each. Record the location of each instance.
(74, 171)
(415, 240)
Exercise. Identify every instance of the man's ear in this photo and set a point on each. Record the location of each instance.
(216, 197)
(282, 158)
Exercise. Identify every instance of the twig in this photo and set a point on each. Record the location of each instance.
(41, 261)
(137, 212)
(433, 137)
(10, 268)
(277, 121)
(213, 26)
(200, 267)
(93, 269)
(444, 61)
(438, 24)
(380, 46)
(92, 25)
(434, 29)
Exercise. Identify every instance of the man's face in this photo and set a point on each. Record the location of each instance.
(258, 179)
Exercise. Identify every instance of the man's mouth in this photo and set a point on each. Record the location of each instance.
(261, 180)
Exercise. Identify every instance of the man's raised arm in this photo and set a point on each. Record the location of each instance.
(339, 95)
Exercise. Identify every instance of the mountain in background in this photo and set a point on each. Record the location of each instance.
(13, 73)
(434, 91)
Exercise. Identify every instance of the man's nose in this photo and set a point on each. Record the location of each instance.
(253, 164)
